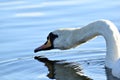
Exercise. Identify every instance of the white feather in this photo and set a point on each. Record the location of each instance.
(71, 37)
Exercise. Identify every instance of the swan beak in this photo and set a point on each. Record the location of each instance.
(46, 46)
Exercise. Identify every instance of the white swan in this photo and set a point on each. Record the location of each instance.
(71, 37)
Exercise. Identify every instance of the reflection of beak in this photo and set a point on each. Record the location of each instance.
(46, 46)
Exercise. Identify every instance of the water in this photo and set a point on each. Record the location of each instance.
(24, 25)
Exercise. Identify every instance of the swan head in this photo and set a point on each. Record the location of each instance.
(49, 44)
(59, 39)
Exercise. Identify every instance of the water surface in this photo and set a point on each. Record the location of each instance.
(24, 25)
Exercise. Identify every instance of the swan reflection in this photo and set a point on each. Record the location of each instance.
(61, 70)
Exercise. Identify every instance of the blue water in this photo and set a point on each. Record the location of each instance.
(24, 25)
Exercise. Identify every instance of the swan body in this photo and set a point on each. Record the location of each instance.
(71, 37)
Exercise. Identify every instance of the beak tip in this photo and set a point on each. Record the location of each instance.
(35, 51)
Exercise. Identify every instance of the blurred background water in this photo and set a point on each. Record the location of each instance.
(24, 25)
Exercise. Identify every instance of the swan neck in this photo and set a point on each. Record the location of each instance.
(112, 37)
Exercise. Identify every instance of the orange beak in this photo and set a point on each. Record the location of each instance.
(46, 46)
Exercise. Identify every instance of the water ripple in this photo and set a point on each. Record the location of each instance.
(25, 25)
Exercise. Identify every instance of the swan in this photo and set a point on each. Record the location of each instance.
(67, 38)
